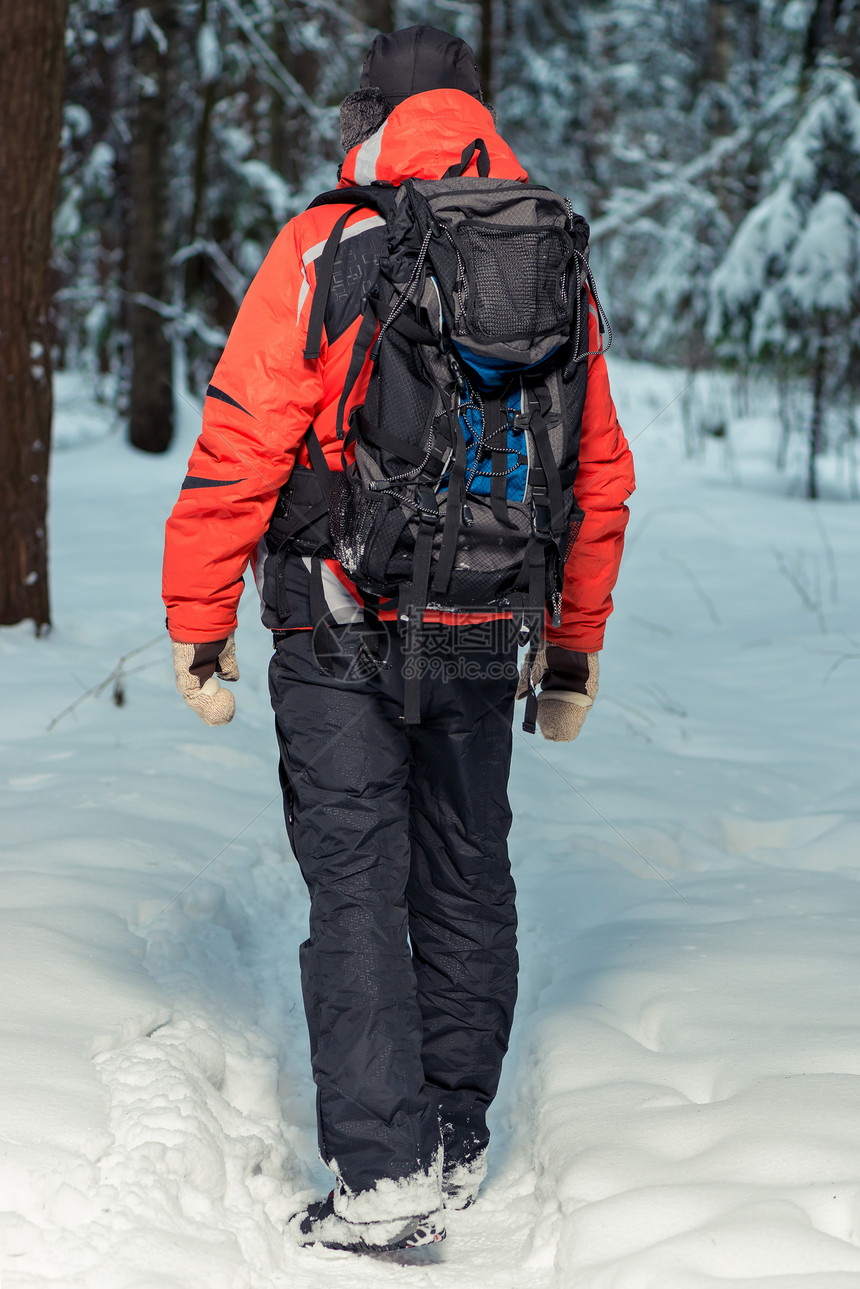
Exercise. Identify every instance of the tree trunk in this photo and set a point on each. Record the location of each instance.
(209, 94)
(718, 60)
(292, 123)
(718, 56)
(816, 426)
(821, 32)
(278, 130)
(31, 73)
(492, 18)
(379, 15)
(194, 270)
(151, 400)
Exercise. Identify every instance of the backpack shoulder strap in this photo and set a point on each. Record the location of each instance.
(379, 198)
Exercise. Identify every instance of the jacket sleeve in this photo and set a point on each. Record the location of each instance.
(603, 484)
(261, 401)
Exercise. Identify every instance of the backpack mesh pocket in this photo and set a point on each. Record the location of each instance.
(372, 537)
(517, 280)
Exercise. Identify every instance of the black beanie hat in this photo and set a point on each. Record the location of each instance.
(416, 59)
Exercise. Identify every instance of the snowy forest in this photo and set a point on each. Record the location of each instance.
(714, 148)
(680, 1103)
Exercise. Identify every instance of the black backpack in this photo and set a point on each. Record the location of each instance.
(461, 494)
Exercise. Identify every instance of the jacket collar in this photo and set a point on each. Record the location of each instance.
(425, 135)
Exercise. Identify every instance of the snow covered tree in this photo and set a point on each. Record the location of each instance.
(686, 100)
(787, 295)
(166, 214)
(31, 73)
(543, 95)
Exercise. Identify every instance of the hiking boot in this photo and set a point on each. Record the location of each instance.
(319, 1224)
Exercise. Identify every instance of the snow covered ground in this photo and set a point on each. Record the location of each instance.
(681, 1106)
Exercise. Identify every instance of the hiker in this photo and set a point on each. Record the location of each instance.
(392, 438)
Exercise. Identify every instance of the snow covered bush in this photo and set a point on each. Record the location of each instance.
(787, 295)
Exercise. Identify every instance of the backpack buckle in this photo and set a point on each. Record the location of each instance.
(440, 458)
(428, 507)
(457, 373)
(541, 515)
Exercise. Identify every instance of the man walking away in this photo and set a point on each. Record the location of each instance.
(395, 789)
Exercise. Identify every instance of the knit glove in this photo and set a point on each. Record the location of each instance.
(196, 666)
(568, 682)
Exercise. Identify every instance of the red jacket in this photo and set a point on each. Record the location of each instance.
(264, 395)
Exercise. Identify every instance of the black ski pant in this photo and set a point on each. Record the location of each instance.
(409, 971)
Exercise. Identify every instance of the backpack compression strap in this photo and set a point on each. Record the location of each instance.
(493, 429)
(547, 500)
(453, 508)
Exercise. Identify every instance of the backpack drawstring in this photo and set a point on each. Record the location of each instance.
(406, 296)
(602, 320)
